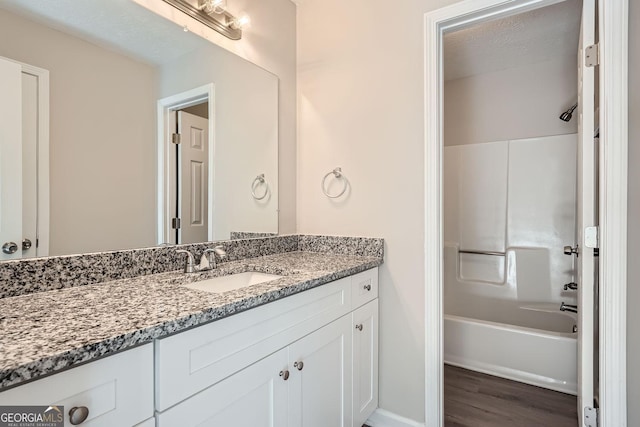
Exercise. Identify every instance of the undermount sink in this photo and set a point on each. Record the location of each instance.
(232, 282)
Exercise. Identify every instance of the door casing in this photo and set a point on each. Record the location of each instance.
(166, 159)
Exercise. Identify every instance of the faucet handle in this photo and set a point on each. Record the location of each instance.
(190, 264)
(219, 250)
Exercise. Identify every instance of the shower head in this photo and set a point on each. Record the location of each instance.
(566, 116)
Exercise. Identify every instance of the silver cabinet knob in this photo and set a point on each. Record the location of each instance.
(26, 244)
(284, 374)
(367, 287)
(568, 250)
(78, 415)
(299, 365)
(359, 327)
(10, 248)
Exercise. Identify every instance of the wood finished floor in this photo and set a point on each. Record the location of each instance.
(472, 399)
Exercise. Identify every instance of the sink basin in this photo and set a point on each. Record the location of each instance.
(232, 282)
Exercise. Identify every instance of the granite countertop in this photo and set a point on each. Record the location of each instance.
(45, 332)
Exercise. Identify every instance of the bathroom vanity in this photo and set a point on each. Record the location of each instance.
(300, 350)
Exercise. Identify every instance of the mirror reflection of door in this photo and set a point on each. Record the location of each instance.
(190, 175)
(23, 140)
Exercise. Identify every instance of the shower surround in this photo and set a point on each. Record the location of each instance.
(515, 201)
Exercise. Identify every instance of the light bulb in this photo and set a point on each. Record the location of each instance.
(243, 21)
(213, 6)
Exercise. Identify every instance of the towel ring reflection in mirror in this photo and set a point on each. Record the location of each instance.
(257, 183)
(337, 173)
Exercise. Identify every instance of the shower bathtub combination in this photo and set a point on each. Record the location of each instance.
(530, 342)
(509, 209)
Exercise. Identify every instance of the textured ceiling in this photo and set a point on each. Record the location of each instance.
(535, 36)
(120, 25)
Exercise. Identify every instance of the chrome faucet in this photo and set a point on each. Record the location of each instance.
(190, 264)
(568, 307)
(207, 261)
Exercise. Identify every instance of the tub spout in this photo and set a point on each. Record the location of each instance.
(568, 307)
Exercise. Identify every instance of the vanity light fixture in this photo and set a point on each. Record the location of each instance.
(214, 14)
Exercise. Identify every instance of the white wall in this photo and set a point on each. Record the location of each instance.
(246, 134)
(270, 43)
(102, 187)
(515, 103)
(360, 80)
(633, 296)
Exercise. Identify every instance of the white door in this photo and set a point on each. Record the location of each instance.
(194, 178)
(254, 397)
(586, 217)
(365, 362)
(10, 160)
(320, 381)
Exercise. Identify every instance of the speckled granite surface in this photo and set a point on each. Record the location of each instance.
(249, 235)
(44, 274)
(44, 332)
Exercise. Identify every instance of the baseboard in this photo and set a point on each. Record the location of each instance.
(382, 418)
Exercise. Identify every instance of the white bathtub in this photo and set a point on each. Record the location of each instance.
(545, 358)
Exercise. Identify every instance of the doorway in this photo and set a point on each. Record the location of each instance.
(612, 35)
(185, 167)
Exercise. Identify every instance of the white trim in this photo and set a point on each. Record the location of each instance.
(383, 418)
(165, 106)
(43, 230)
(613, 121)
(613, 31)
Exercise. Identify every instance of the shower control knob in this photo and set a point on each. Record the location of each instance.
(568, 250)
(573, 286)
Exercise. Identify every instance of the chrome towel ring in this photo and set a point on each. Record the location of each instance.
(337, 173)
(257, 182)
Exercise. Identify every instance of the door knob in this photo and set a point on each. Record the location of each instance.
(359, 327)
(573, 286)
(298, 365)
(26, 244)
(10, 248)
(284, 374)
(568, 250)
(78, 415)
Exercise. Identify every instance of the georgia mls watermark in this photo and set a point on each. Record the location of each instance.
(31, 416)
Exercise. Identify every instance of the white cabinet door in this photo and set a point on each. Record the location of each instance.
(365, 362)
(253, 397)
(320, 381)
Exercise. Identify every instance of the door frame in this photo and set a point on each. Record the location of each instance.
(164, 109)
(613, 119)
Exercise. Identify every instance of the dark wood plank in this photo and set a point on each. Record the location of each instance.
(472, 399)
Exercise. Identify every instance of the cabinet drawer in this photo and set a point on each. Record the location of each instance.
(191, 361)
(364, 287)
(117, 390)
